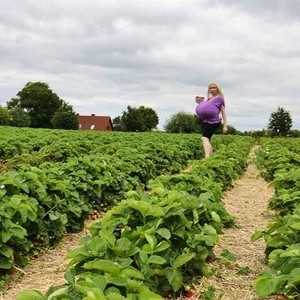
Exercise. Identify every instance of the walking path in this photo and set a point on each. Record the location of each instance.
(247, 201)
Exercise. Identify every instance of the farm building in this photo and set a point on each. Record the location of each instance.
(94, 122)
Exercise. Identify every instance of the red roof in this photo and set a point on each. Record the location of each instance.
(94, 122)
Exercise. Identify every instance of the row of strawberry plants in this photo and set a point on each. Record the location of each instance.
(280, 163)
(20, 146)
(38, 205)
(104, 143)
(156, 242)
(35, 146)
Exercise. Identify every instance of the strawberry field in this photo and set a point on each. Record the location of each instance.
(162, 222)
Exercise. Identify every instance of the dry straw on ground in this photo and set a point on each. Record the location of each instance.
(247, 201)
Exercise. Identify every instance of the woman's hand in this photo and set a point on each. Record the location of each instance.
(199, 99)
(225, 129)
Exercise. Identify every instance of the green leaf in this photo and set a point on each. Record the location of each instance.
(110, 238)
(98, 281)
(164, 232)
(257, 235)
(203, 269)
(151, 239)
(174, 277)
(7, 252)
(106, 266)
(145, 294)
(92, 293)
(123, 243)
(132, 251)
(30, 295)
(162, 246)
(70, 276)
(290, 252)
(56, 294)
(182, 259)
(53, 216)
(147, 248)
(210, 230)
(266, 284)
(215, 217)
(18, 231)
(146, 209)
(120, 281)
(131, 272)
(294, 276)
(143, 256)
(295, 226)
(155, 259)
(6, 263)
(115, 296)
(6, 235)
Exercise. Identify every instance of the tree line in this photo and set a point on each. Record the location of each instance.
(37, 106)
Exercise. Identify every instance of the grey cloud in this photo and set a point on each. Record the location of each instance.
(102, 56)
(274, 8)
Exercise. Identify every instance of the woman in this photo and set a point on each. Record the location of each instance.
(208, 112)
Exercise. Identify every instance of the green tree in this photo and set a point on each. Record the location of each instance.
(294, 133)
(280, 121)
(19, 118)
(140, 119)
(65, 118)
(230, 130)
(148, 118)
(38, 100)
(182, 122)
(4, 116)
(117, 124)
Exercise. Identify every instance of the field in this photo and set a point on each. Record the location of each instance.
(153, 218)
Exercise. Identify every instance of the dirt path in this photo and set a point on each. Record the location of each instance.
(247, 201)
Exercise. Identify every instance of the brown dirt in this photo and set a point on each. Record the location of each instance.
(247, 201)
(3, 166)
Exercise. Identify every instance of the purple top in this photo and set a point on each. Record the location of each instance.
(208, 111)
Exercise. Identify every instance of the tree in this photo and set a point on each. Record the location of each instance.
(4, 116)
(182, 122)
(65, 118)
(38, 100)
(148, 118)
(19, 118)
(280, 121)
(230, 130)
(140, 119)
(117, 124)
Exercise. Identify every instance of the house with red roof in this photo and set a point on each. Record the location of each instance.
(93, 122)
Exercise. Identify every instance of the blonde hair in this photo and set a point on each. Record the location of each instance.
(218, 87)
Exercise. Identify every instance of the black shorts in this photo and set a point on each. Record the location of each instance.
(209, 129)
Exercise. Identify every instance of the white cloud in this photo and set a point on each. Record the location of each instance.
(101, 56)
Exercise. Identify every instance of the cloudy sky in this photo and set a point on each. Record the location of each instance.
(101, 56)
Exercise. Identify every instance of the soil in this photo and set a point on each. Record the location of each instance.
(247, 200)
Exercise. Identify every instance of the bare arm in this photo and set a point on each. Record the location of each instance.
(224, 117)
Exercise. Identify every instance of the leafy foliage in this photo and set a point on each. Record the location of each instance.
(182, 122)
(140, 119)
(65, 118)
(4, 116)
(19, 117)
(280, 121)
(279, 158)
(147, 244)
(43, 107)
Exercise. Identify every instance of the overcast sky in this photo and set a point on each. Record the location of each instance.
(101, 56)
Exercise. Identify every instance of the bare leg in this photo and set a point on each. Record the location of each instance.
(207, 147)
